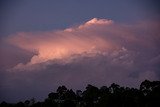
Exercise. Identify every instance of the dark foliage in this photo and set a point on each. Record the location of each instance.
(148, 95)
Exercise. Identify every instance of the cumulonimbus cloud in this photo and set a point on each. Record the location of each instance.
(97, 36)
(97, 52)
(64, 43)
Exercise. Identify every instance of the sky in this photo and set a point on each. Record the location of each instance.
(48, 43)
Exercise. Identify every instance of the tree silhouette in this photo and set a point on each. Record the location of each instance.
(91, 95)
(148, 95)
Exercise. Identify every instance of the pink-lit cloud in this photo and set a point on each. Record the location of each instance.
(120, 44)
(96, 36)
(97, 52)
(63, 44)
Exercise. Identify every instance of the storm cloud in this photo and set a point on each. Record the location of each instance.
(97, 52)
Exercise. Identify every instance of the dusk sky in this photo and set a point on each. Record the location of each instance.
(48, 43)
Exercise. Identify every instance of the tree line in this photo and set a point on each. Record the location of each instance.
(148, 95)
